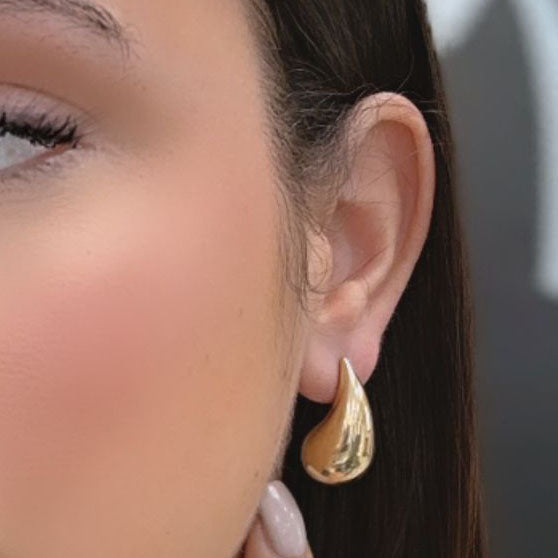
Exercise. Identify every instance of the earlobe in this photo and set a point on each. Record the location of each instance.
(375, 235)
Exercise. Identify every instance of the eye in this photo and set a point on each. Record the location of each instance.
(35, 132)
(24, 143)
(21, 142)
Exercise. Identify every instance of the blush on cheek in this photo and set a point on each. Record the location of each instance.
(79, 359)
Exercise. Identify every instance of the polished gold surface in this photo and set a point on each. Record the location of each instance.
(341, 447)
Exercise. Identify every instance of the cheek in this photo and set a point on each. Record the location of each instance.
(137, 367)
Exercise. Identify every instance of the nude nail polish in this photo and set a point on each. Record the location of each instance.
(283, 521)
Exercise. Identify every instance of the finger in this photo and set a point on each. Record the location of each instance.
(279, 530)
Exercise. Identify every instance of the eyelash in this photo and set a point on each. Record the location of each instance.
(46, 133)
(45, 129)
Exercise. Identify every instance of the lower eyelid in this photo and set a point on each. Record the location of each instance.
(30, 162)
(30, 179)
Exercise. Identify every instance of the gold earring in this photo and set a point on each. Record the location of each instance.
(341, 447)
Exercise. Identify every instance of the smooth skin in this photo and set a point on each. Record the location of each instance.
(145, 382)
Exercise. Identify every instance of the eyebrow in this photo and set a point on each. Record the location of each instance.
(82, 13)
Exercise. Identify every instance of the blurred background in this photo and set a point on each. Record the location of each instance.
(500, 63)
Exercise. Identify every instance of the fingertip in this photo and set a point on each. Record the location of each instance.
(257, 544)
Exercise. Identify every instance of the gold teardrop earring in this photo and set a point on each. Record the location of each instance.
(341, 447)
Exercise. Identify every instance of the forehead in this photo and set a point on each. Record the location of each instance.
(179, 22)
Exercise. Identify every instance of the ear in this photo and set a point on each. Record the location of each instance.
(374, 236)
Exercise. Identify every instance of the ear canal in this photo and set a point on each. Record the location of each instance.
(341, 447)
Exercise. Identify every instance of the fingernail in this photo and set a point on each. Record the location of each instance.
(283, 521)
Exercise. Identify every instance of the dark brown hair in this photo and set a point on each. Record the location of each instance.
(422, 495)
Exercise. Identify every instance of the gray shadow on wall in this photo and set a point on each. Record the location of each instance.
(494, 118)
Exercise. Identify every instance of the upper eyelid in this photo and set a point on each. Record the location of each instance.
(24, 104)
(17, 92)
(115, 125)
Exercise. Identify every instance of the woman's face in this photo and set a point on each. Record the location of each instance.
(143, 386)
